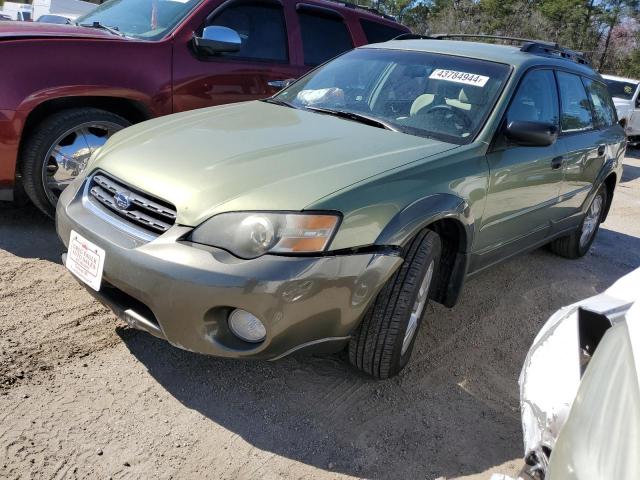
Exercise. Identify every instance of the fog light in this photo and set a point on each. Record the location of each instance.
(246, 326)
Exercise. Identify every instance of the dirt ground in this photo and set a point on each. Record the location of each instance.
(81, 395)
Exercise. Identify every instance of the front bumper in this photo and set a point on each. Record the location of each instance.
(184, 293)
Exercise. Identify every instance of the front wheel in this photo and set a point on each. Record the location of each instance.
(577, 244)
(58, 149)
(384, 340)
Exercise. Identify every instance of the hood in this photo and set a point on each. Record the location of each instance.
(26, 30)
(253, 156)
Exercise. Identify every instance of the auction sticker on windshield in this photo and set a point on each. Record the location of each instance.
(459, 77)
(85, 260)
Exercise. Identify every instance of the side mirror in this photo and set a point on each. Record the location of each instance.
(216, 39)
(623, 122)
(531, 134)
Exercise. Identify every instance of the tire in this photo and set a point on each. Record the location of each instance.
(380, 346)
(62, 129)
(571, 246)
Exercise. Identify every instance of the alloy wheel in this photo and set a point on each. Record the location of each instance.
(591, 220)
(418, 308)
(69, 154)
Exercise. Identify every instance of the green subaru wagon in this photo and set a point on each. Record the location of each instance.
(327, 216)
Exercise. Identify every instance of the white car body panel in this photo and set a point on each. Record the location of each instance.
(601, 438)
(551, 376)
(627, 108)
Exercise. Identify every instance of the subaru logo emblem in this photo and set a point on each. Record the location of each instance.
(122, 200)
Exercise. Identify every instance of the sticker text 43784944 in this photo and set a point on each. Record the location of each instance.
(459, 77)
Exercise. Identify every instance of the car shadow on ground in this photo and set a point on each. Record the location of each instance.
(630, 172)
(28, 233)
(453, 411)
(632, 152)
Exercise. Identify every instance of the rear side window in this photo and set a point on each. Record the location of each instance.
(536, 99)
(603, 109)
(323, 37)
(261, 28)
(575, 109)
(378, 32)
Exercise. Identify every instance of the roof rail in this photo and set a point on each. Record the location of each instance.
(554, 50)
(355, 6)
(481, 36)
(413, 36)
(536, 47)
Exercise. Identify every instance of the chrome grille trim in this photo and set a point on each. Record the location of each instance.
(146, 217)
(144, 202)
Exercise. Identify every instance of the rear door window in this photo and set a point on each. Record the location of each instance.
(603, 109)
(575, 108)
(323, 37)
(261, 28)
(378, 32)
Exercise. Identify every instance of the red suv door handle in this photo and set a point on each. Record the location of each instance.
(280, 84)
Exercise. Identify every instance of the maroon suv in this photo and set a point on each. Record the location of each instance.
(64, 89)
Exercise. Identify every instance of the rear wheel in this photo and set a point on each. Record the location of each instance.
(58, 149)
(384, 340)
(577, 244)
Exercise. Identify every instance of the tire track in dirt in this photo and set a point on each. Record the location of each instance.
(46, 318)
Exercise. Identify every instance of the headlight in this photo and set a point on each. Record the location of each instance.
(252, 234)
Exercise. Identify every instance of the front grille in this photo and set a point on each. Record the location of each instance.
(140, 209)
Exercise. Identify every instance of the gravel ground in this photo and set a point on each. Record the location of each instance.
(82, 395)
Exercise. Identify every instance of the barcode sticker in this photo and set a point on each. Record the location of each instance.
(459, 77)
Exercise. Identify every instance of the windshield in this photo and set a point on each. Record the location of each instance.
(418, 93)
(624, 90)
(145, 19)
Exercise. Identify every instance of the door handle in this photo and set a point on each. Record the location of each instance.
(280, 84)
(601, 149)
(556, 163)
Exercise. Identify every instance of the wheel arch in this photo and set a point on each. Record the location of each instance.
(450, 217)
(133, 110)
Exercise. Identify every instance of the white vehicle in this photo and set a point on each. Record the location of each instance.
(625, 94)
(580, 390)
(60, 11)
(18, 11)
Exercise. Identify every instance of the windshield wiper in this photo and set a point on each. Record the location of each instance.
(113, 30)
(277, 101)
(356, 117)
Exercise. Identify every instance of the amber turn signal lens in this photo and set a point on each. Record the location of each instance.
(306, 233)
